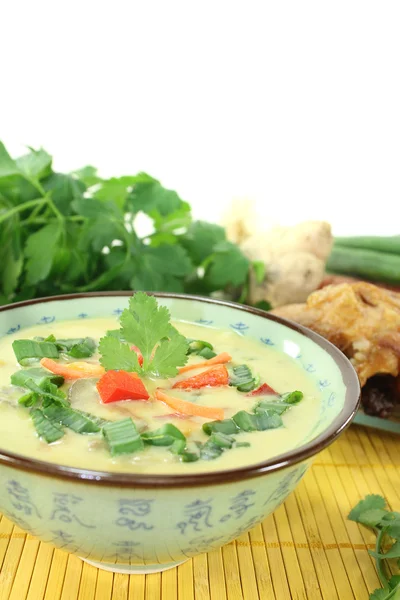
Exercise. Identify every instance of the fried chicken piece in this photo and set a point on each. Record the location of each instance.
(361, 319)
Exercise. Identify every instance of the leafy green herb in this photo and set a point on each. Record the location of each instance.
(147, 326)
(372, 512)
(68, 232)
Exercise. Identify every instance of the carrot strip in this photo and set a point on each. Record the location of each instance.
(213, 377)
(189, 408)
(220, 359)
(74, 370)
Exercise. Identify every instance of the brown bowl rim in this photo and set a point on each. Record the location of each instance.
(287, 459)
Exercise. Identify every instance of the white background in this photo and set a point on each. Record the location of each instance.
(293, 104)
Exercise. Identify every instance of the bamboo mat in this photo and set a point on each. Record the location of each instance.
(306, 550)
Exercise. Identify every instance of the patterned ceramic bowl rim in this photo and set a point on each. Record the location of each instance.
(342, 420)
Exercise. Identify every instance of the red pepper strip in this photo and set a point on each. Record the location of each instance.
(263, 390)
(190, 408)
(121, 385)
(139, 354)
(214, 377)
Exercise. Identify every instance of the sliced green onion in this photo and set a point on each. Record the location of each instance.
(24, 349)
(185, 454)
(222, 440)
(210, 451)
(242, 444)
(197, 346)
(257, 422)
(98, 420)
(273, 407)
(248, 387)
(164, 436)
(243, 379)
(226, 426)
(207, 353)
(267, 420)
(178, 446)
(71, 418)
(29, 399)
(122, 437)
(37, 374)
(47, 430)
(80, 348)
(48, 391)
(245, 421)
(292, 397)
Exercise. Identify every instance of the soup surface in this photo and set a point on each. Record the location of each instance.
(90, 451)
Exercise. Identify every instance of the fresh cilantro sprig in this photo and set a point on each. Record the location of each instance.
(76, 232)
(147, 326)
(372, 513)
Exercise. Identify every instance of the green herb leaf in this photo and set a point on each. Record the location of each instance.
(259, 270)
(40, 250)
(371, 502)
(227, 266)
(394, 552)
(8, 166)
(151, 195)
(145, 325)
(201, 238)
(169, 354)
(371, 518)
(116, 355)
(36, 164)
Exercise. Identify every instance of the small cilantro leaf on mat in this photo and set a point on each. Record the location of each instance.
(371, 512)
(371, 502)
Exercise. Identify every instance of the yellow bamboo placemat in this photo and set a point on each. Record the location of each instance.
(306, 550)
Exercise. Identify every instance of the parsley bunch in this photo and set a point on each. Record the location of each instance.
(76, 232)
(147, 326)
(372, 513)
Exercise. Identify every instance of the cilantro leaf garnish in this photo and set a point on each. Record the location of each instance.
(372, 512)
(117, 355)
(147, 326)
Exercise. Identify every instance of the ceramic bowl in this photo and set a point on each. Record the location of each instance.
(148, 523)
